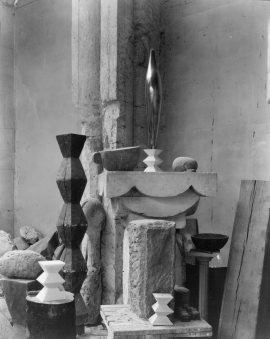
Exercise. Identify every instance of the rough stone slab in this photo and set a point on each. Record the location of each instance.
(15, 292)
(126, 324)
(151, 263)
(21, 264)
(30, 234)
(20, 243)
(157, 184)
(6, 243)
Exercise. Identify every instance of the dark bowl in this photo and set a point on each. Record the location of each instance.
(120, 159)
(209, 241)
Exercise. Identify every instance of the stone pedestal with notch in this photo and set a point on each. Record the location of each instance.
(129, 196)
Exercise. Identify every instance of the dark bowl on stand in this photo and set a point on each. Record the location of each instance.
(209, 242)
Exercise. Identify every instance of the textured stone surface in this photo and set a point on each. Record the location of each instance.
(47, 245)
(91, 288)
(151, 263)
(20, 243)
(15, 292)
(86, 85)
(7, 117)
(6, 243)
(21, 264)
(116, 72)
(30, 234)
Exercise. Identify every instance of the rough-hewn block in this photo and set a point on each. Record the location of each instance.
(151, 263)
(15, 292)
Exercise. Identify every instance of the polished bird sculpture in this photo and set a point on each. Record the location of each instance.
(153, 97)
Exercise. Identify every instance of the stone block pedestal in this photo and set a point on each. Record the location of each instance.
(15, 293)
(151, 263)
(129, 196)
(122, 323)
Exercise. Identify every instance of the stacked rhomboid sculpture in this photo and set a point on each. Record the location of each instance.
(72, 224)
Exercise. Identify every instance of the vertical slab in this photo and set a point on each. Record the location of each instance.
(246, 299)
(116, 73)
(151, 263)
(86, 82)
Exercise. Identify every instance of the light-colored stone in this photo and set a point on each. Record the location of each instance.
(6, 243)
(151, 262)
(157, 184)
(7, 125)
(91, 289)
(30, 234)
(116, 72)
(20, 243)
(86, 85)
(21, 264)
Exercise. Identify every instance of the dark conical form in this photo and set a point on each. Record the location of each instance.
(71, 145)
(71, 180)
(72, 224)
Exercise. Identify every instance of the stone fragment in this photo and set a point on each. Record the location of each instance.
(151, 263)
(91, 288)
(20, 243)
(21, 264)
(47, 245)
(15, 292)
(30, 234)
(6, 243)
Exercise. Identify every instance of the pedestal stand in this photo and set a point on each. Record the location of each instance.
(203, 258)
(51, 319)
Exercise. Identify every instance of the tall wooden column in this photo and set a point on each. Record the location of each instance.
(72, 224)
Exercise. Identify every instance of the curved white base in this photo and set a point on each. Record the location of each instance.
(152, 161)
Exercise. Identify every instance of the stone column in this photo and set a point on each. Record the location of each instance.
(151, 262)
(116, 73)
(86, 82)
(7, 125)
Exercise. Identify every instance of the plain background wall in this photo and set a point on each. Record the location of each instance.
(215, 76)
(44, 108)
(7, 126)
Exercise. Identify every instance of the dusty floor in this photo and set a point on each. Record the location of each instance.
(7, 331)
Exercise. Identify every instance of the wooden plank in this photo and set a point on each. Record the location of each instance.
(246, 295)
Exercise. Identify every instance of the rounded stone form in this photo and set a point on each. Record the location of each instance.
(184, 164)
(21, 264)
(30, 235)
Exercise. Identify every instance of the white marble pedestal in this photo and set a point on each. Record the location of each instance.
(135, 195)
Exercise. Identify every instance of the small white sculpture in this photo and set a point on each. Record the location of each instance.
(51, 280)
(162, 310)
(153, 160)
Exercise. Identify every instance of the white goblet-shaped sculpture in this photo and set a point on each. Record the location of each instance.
(162, 310)
(51, 280)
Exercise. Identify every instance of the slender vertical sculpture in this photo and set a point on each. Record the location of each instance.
(72, 224)
(153, 96)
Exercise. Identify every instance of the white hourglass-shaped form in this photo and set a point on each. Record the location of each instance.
(153, 160)
(161, 310)
(51, 280)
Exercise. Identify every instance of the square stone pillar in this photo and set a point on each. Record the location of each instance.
(151, 263)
